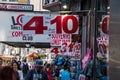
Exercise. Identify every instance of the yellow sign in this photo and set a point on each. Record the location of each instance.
(22, 1)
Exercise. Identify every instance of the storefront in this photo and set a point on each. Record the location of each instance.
(93, 43)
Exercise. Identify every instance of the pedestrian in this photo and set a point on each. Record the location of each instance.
(65, 74)
(37, 73)
(9, 64)
(7, 73)
(15, 67)
(1, 62)
(49, 72)
(60, 72)
(24, 67)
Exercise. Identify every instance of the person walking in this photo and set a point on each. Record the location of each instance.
(24, 67)
(65, 74)
(37, 73)
(16, 68)
(49, 72)
(1, 62)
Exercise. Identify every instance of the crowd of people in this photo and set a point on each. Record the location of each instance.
(20, 70)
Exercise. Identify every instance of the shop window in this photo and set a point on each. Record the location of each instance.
(85, 4)
(13, 0)
(4, 0)
(102, 5)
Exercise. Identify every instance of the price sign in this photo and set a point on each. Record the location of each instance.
(35, 24)
(47, 25)
(72, 49)
(64, 24)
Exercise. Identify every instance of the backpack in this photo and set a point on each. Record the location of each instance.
(25, 68)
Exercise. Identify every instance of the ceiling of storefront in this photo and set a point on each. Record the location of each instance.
(53, 6)
(28, 44)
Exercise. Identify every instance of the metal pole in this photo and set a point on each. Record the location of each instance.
(95, 36)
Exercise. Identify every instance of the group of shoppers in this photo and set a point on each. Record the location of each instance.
(41, 71)
(10, 71)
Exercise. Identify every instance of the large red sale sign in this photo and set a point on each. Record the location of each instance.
(50, 24)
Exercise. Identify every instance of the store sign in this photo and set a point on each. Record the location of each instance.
(67, 24)
(49, 2)
(16, 7)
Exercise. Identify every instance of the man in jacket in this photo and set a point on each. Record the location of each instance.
(37, 73)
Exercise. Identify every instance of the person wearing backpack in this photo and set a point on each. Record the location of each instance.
(25, 67)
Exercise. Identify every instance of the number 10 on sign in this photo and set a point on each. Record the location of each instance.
(57, 24)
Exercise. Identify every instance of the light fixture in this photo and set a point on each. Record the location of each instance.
(64, 6)
(100, 22)
(33, 47)
(27, 45)
(108, 7)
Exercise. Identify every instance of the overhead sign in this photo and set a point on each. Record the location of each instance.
(35, 27)
(11, 29)
(60, 24)
(16, 7)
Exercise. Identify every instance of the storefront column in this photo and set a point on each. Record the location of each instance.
(84, 36)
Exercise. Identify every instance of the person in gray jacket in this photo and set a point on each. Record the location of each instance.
(37, 73)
